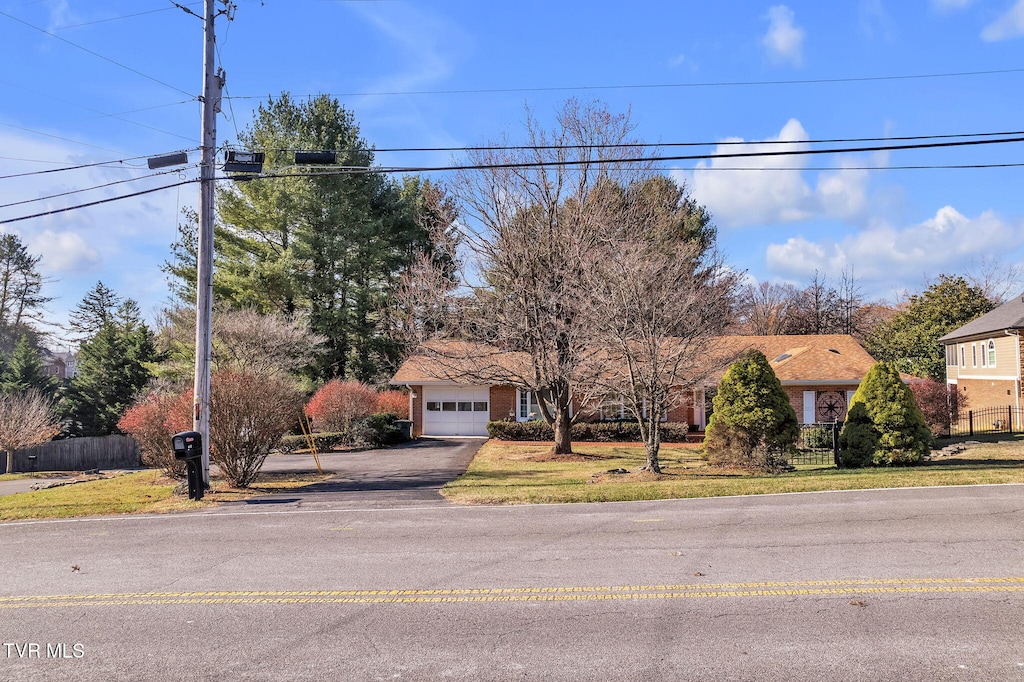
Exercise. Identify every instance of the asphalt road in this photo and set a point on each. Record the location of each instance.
(923, 584)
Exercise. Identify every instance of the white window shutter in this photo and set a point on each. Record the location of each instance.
(809, 399)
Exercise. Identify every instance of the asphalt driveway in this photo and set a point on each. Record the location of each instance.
(412, 473)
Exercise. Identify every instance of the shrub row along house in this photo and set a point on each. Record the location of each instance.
(983, 357)
(456, 388)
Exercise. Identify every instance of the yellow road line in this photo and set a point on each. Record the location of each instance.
(526, 594)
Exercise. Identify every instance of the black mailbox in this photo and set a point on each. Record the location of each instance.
(188, 446)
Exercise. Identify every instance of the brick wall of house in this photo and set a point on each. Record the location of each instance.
(983, 393)
(683, 411)
(503, 402)
(417, 411)
(796, 396)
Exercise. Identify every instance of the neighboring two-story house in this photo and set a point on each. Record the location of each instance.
(983, 357)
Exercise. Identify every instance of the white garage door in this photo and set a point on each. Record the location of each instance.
(456, 411)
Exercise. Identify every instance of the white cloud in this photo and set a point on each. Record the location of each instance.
(784, 40)
(886, 253)
(776, 190)
(1009, 25)
(64, 252)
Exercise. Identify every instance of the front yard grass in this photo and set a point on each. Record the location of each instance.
(135, 493)
(522, 473)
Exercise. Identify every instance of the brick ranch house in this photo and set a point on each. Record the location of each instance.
(819, 374)
(983, 357)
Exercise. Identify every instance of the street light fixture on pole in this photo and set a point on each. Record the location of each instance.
(213, 82)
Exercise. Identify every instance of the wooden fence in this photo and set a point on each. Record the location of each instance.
(77, 454)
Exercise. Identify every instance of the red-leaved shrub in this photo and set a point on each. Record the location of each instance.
(938, 404)
(394, 402)
(338, 404)
(152, 421)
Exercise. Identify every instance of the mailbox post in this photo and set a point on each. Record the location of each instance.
(188, 446)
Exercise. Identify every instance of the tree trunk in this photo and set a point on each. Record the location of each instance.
(652, 444)
(563, 435)
(10, 462)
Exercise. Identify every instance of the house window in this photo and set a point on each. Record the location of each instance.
(974, 355)
(963, 362)
(465, 406)
(433, 407)
(984, 355)
(991, 353)
(611, 409)
(529, 410)
(480, 407)
(448, 407)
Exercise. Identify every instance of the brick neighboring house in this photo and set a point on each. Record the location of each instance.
(983, 357)
(819, 374)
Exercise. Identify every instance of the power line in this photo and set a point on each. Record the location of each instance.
(103, 113)
(662, 86)
(360, 171)
(58, 137)
(90, 189)
(642, 145)
(96, 54)
(79, 166)
(123, 16)
(97, 203)
(681, 157)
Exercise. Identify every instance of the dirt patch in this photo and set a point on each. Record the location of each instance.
(639, 476)
(548, 456)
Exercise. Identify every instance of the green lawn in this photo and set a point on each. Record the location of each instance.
(134, 493)
(503, 473)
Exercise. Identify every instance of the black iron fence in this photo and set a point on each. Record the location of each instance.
(818, 444)
(1007, 419)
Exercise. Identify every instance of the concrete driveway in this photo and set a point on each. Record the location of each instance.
(412, 473)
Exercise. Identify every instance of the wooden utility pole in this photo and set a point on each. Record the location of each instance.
(213, 82)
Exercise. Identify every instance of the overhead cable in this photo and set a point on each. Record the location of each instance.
(96, 54)
(90, 189)
(97, 203)
(653, 86)
(83, 165)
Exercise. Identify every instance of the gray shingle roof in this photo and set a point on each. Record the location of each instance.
(1009, 315)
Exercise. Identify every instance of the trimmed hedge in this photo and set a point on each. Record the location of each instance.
(603, 432)
(373, 431)
(324, 441)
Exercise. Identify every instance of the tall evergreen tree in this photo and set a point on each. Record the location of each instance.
(24, 370)
(112, 363)
(331, 246)
(96, 309)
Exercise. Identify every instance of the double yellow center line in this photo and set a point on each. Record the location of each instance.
(532, 594)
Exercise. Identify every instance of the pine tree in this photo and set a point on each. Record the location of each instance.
(94, 311)
(331, 247)
(884, 425)
(112, 365)
(24, 370)
(753, 423)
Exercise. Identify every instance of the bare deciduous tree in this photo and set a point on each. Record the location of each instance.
(999, 280)
(532, 216)
(248, 415)
(243, 341)
(766, 308)
(25, 419)
(657, 309)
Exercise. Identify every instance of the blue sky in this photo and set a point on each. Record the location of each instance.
(894, 228)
